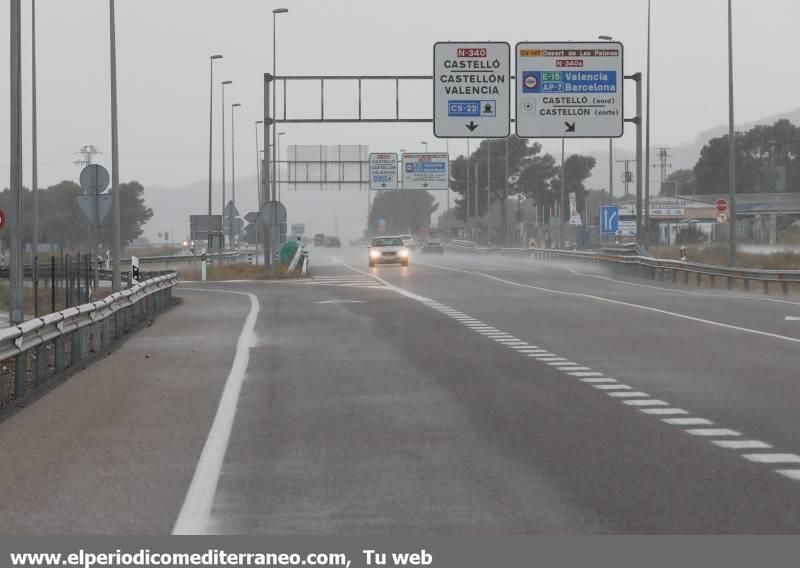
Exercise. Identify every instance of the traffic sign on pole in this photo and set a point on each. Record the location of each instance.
(471, 90)
(569, 90)
(426, 171)
(721, 205)
(383, 171)
(723, 217)
(2, 219)
(609, 219)
(94, 179)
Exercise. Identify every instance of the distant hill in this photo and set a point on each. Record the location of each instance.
(683, 156)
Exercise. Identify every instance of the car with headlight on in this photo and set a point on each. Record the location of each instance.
(432, 245)
(388, 250)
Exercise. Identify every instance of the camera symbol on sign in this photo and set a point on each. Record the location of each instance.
(529, 106)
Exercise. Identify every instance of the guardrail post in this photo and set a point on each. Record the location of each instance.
(84, 342)
(674, 276)
(785, 288)
(766, 287)
(699, 279)
(686, 277)
(747, 284)
(20, 375)
(41, 364)
(75, 348)
(60, 361)
(730, 282)
(713, 279)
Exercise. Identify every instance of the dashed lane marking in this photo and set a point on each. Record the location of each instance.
(696, 426)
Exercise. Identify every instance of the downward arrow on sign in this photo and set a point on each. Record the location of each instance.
(472, 126)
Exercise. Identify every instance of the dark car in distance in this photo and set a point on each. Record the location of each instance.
(433, 245)
(333, 242)
(319, 240)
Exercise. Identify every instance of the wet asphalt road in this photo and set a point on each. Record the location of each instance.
(461, 395)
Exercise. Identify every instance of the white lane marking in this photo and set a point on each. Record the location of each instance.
(790, 473)
(742, 444)
(664, 411)
(712, 432)
(602, 380)
(792, 318)
(566, 365)
(688, 421)
(541, 356)
(546, 359)
(342, 302)
(632, 394)
(519, 348)
(585, 374)
(611, 387)
(645, 402)
(196, 509)
(579, 368)
(529, 349)
(628, 304)
(772, 458)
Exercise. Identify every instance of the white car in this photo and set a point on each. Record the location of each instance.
(408, 241)
(388, 250)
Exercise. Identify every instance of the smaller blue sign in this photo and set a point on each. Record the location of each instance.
(472, 108)
(609, 219)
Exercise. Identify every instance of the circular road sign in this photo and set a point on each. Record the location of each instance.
(722, 205)
(2, 219)
(94, 179)
(273, 210)
(530, 82)
(722, 217)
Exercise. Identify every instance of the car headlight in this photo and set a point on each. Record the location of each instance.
(374, 253)
(404, 252)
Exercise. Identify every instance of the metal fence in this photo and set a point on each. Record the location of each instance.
(44, 348)
(676, 271)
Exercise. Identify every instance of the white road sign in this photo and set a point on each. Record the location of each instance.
(426, 171)
(569, 90)
(383, 171)
(471, 90)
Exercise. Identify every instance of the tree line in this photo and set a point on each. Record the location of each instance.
(62, 223)
(767, 160)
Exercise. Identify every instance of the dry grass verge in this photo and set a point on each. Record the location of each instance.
(240, 271)
(719, 255)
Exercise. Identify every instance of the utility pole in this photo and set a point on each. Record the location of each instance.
(87, 154)
(563, 204)
(626, 176)
(731, 147)
(663, 159)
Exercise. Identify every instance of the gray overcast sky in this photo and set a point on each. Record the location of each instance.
(164, 45)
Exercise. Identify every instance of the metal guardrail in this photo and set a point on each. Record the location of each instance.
(41, 349)
(660, 269)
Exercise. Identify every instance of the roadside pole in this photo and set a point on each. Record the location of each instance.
(116, 248)
(265, 177)
(637, 120)
(16, 285)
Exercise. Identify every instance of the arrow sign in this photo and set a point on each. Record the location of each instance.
(570, 126)
(472, 126)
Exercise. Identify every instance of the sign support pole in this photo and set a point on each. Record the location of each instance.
(116, 247)
(639, 151)
(265, 178)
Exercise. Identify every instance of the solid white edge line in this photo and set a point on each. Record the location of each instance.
(196, 510)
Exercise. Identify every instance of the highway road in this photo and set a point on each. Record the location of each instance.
(460, 395)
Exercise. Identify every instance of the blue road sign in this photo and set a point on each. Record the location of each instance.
(609, 219)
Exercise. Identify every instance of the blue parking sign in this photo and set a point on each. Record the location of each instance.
(609, 219)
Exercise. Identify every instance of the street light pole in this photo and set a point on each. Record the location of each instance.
(222, 211)
(258, 164)
(233, 173)
(278, 161)
(562, 206)
(275, 13)
(646, 235)
(34, 158)
(731, 147)
(116, 245)
(610, 143)
(15, 211)
(211, 132)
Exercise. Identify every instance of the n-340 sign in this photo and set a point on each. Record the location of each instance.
(471, 90)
